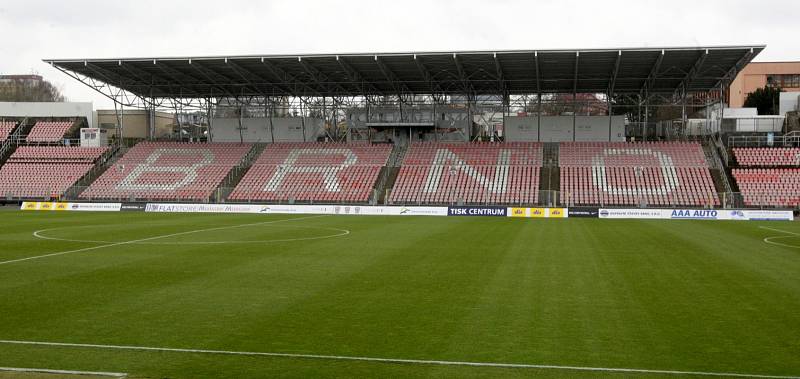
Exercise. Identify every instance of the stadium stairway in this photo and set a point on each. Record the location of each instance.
(237, 173)
(550, 154)
(549, 184)
(717, 168)
(10, 144)
(104, 162)
(550, 174)
(388, 175)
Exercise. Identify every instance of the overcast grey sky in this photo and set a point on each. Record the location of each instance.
(32, 30)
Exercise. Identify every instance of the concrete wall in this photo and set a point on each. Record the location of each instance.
(560, 128)
(556, 128)
(788, 102)
(599, 128)
(135, 123)
(739, 112)
(286, 129)
(521, 128)
(760, 124)
(65, 109)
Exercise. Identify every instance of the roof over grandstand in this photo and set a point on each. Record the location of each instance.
(619, 71)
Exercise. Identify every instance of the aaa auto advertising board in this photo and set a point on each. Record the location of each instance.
(728, 214)
(698, 214)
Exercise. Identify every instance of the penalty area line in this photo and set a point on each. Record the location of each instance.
(395, 360)
(150, 239)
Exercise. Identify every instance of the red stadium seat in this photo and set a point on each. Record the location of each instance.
(49, 131)
(469, 173)
(42, 172)
(620, 173)
(767, 157)
(778, 186)
(6, 127)
(769, 187)
(317, 172)
(168, 171)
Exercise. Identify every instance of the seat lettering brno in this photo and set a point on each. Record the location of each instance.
(328, 172)
(446, 158)
(189, 172)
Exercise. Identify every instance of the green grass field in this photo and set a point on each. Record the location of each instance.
(699, 296)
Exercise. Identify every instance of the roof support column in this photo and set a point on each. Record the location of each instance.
(684, 120)
(469, 116)
(303, 118)
(574, 114)
(721, 105)
(639, 119)
(120, 113)
(610, 115)
(209, 117)
(270, 115)
(151, 120)
(435, 128)
(646, 111)
(575, 97)
(241, 114)
(539, 117)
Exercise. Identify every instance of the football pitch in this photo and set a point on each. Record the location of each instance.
(233, 296)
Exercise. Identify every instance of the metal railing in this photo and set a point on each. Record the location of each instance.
(787, 140)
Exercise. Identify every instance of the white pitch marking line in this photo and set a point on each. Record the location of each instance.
(150, 239)
(341, 232)
(778, 230)
(64, 372)
(769, 239)
(396, 360)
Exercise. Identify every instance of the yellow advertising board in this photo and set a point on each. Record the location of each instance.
(538, 212)
(30, 205)
(44, 206)
(519, 212)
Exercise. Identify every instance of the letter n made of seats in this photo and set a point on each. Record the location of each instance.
(445, 162)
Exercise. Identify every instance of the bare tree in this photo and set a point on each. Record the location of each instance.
(28, 88)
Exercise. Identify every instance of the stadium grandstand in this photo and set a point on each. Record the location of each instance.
(210, 225)
(473, 127)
